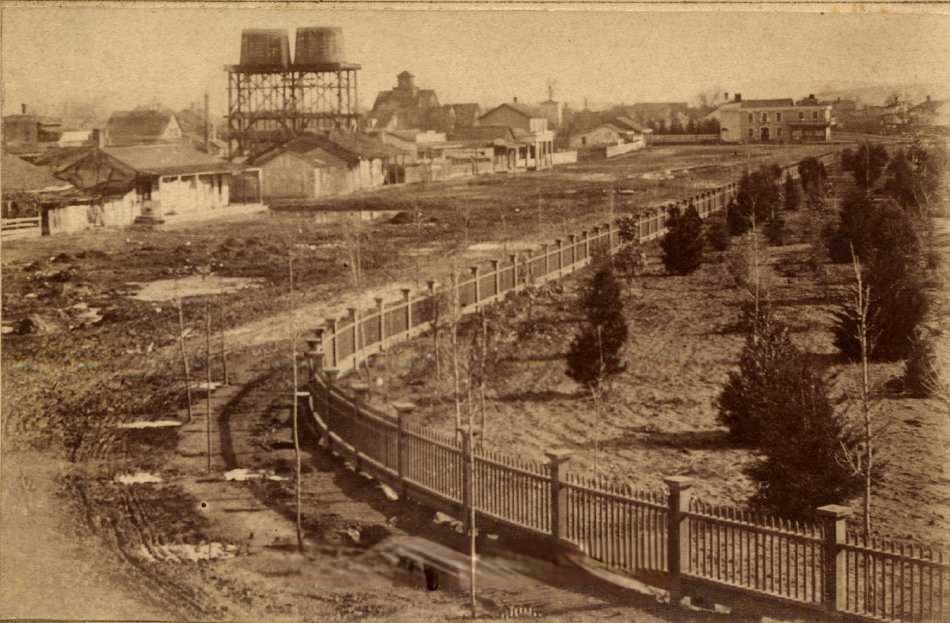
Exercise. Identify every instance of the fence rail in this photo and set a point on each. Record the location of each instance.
(20, 227)
(815, 566)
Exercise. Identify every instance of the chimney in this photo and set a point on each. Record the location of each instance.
(23, 109)
(928, 98)
(725, 96)
(811, 96)
(738, 97)
(516, 99)
(98, 138)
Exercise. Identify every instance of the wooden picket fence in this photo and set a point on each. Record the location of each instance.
(816, 567)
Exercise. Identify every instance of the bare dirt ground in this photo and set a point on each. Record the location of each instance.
(81, 355)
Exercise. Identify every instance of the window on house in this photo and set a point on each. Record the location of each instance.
(801, 116)
(751, 133)
(765, 117)
(814, 115)
(778, 117)
(778, 132)
(751, 118)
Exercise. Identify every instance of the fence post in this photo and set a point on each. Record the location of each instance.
(560, 255)
(677, 533)
(331, 328)
(513, 258)
(354, 318)
(331, 375)
(382, 325)
(494, 269)
(834, 524)
(403, 409)
(477, 289)
(360, 393)
(558, 503)
(573, 239)
(586, 244)
(544, 248)
(407, 300)
(315, 354)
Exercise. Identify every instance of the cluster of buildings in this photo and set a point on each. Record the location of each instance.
(142, 166)
(309, 141)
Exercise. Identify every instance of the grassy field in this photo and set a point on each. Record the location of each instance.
(659, 418)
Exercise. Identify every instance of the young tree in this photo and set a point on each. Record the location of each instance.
(801, 446)
(292, 325)
(758, 195)
(595, 352)
(183, 351)
(743, 403)
(683, 242)
(793, 196)
(866, 164)
(872, 227)
(897, 305)
(717, 234)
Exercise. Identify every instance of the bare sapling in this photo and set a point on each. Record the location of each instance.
(862, 295)
(225, 379)
(454, 345)
(182, 350)
(208, 378)
(292, 326)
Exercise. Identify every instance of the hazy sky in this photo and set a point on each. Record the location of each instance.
(128, 56)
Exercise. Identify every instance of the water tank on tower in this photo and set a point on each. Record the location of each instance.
(265, 47)
(319, 45)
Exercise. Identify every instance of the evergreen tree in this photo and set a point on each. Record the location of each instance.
(865, 163)
(596, 352)
(901, 181)
(793, 196)
(870, 227)
(777, 404)
(683, 243)
(757, 190)
(743, 404)
(802, 445)
(897, 306)
(717, 234)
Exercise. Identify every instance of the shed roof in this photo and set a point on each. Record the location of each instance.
(337, 148)
(169, 159)
(134, 126)
(483, 134)
(530, 112)
(769, 103)
(20, 175)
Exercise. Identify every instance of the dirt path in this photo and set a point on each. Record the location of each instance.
(46, 570)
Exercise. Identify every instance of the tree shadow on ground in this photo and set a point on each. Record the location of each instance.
(546, 395)
(643, 437)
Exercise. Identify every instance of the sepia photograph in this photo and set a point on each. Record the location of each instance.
(441, 311)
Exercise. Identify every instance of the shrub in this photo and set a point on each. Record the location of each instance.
(775, 231)
(866, 163)
(683, 242)
(872, 228)
(758, 191)
(717, 234)
(595, 352)
(629, 261)
(629, 229)
(793, 196)
(921, 376)
(812, 173)
(897, 306)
